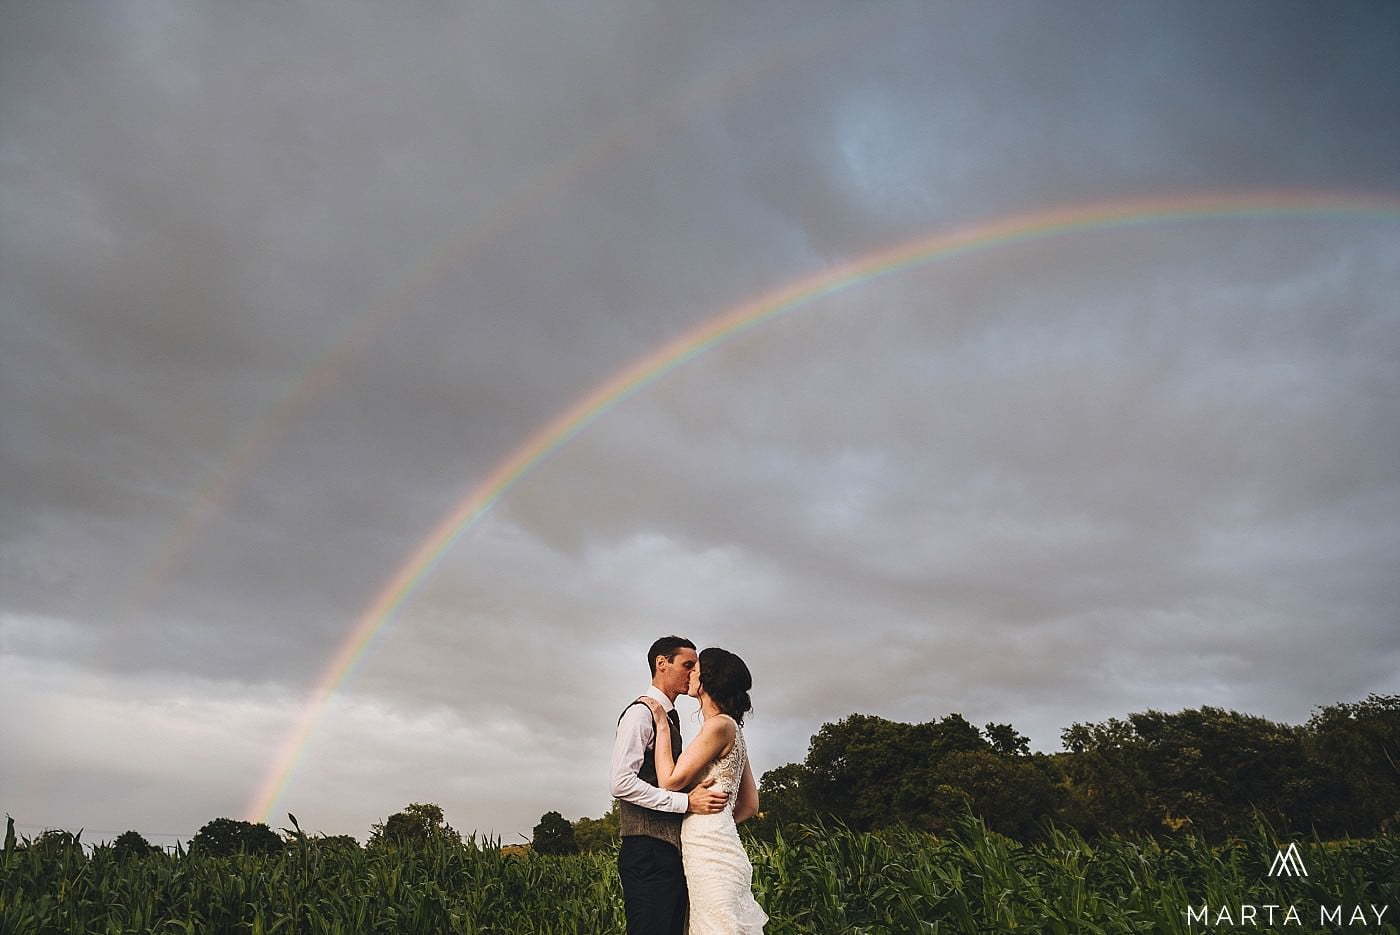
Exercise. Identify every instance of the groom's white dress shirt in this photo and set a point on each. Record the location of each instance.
(635, 732)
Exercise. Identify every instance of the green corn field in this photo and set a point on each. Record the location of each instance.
(814, 880)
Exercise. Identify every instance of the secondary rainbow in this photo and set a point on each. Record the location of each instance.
(540, 192)
(630, 379)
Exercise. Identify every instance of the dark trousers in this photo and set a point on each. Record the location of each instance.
(653, 886)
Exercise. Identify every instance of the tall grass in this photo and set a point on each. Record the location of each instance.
(816, 880)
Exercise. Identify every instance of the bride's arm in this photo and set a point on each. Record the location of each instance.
(746, 805)
(716, 734)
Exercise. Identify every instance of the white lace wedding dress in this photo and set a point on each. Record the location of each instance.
(717, 870)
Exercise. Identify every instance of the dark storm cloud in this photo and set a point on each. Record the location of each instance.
(1035, 466)
(1045, 483)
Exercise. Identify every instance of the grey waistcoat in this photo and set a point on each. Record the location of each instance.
(633, 819)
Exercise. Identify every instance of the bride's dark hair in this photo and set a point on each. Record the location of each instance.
(726, 679)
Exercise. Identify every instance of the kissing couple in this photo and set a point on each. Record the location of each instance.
(679, 809)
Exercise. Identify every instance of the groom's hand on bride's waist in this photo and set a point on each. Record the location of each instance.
(707, 801)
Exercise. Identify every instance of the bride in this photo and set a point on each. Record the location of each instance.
(718, 874)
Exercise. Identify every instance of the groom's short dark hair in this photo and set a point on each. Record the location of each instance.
(667, 646)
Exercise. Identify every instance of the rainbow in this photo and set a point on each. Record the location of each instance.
(643, 371)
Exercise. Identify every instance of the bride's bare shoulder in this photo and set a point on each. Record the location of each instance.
(723, 725)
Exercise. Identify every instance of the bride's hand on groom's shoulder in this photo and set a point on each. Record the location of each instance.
(658, 712)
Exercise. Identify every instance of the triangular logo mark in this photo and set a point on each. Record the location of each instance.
(1288, 863)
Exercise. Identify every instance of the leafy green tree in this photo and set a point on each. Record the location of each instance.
(1012, 795)
(598, 834)
(224, 836)
(130, 845)
(1215, 768)
(1109, 735)
(782, 801)
(1205, 769)
(554, 835)
(336, 842)
(1105, 781)
(56, 842)
(1356, 749)
(1005, 741)
(333, 842)
(929, 805)
(416, 825)
(856, 767)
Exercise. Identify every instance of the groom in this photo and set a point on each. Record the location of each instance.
(649, 862)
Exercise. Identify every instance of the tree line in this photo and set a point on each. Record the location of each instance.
(418, 824)
(1207, 771)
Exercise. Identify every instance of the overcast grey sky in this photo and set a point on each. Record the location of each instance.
(280, 283)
